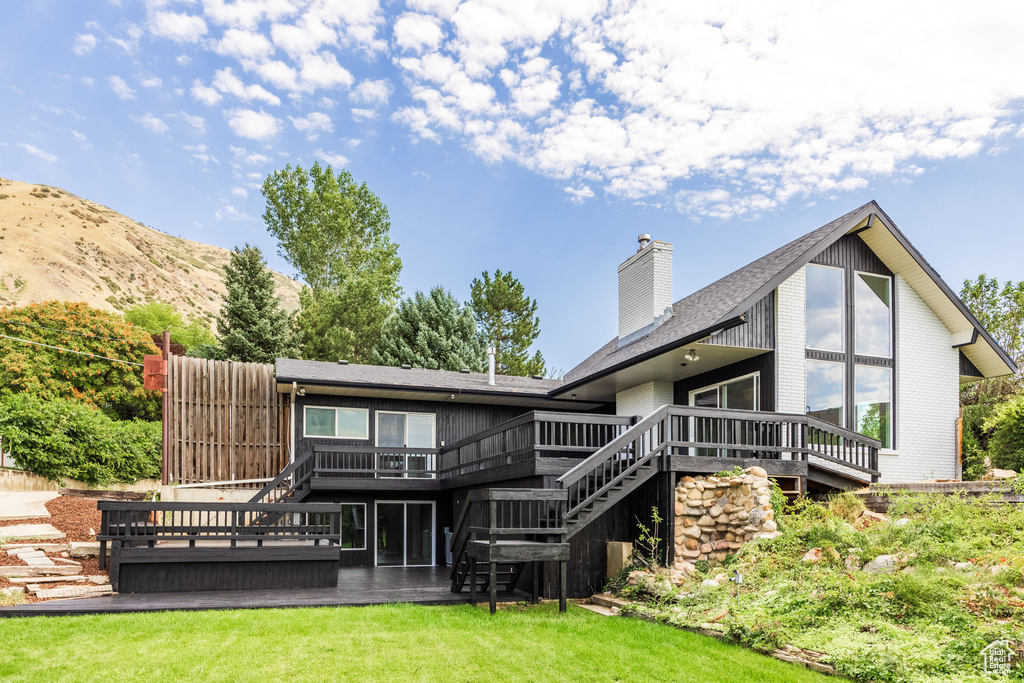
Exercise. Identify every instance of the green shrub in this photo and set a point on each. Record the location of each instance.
(61, 438)
(1006, 443)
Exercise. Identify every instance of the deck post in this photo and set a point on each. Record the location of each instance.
(472, 581)
(562, 581)
(494, 587)
(535, 566)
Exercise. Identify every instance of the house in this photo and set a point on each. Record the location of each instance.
(831, 362)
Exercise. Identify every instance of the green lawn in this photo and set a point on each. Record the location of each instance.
(386, 643)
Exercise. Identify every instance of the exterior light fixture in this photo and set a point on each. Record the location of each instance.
(692, 356)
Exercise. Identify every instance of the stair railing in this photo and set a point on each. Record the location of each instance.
(302, 469)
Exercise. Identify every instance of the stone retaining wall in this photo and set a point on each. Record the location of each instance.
(715, 516)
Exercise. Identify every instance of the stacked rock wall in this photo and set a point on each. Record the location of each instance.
(717, 515)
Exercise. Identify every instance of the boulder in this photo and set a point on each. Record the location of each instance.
(963, 566)
(85, 549)
(758, 472)
(883, 564)
(813, 556)
(997, 475)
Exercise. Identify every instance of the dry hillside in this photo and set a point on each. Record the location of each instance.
(54, 245)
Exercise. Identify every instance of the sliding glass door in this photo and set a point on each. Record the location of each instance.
(405, 534)
(736, 394)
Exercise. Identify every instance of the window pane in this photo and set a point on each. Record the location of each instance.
(740, 395)
(824, 308)
(421, 431)
(706, 399)
(873, 395)
(825, 391)
(873, 316)
(319, 421)
(352, 423)
(391, 430)
(353, 526)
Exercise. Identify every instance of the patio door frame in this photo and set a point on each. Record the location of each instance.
(405, 531)
(756, 375)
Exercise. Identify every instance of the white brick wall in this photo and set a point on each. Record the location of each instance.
(645, 287)
(644, 399)
(790, 340)
(927, 391)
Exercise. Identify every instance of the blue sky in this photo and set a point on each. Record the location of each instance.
(537, 137)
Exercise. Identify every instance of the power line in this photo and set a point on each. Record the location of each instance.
(79, 334)
(81, 353)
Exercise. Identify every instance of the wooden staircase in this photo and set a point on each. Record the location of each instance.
(291, 486)
(612, 473)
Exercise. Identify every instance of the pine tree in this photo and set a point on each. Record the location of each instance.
(508, 321)
(432, 331)
(252, 325)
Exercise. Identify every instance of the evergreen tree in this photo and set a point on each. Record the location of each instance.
(508, 321)
(432, 331)
(252, 325)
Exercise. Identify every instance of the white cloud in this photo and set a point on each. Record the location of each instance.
(80, 137)
(332, 159)
(197, 122)
(578, 195)
(722, 109)
(255, 125)
(83, 44)
(152, 82)
(360, 114)
(204, 93)
(88, 80)
(418, 32)
(240, 192)
(229, 212)
(38, 153)
(200, 152)
(371, 92)
(226, 82)
(181, 28)
(183, 60)
(323, 71)
(244, 45)
(151, 123)
(121, 88)
(254, 159)
(313, 124)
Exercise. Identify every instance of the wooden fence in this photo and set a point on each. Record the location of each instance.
(226, 421)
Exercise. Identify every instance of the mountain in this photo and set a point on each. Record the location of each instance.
(55, 245)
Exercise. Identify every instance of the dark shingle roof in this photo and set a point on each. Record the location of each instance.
(375, 376)
(716, 304)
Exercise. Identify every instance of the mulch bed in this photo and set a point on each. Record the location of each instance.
(76, 517)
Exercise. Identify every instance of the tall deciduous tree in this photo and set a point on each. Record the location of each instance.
(508, 321)
(1000, 308)
(432, 331)
(253, 327)
(157, 316)
(336, 234)
(84, 371)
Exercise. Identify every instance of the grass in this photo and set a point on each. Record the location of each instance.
(386, 642)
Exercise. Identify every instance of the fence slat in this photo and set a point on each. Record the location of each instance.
(227, 421)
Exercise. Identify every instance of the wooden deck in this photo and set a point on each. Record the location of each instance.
(357, 586)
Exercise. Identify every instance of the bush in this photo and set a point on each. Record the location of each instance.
(60, 438)
(1006, 443)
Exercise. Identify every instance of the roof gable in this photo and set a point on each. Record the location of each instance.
(722, 303)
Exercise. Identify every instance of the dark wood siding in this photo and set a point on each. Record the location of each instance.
(455, 421)
(850, 251)
(757, 333)
(765, 364)
(967, 368)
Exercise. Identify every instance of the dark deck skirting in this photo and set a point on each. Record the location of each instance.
(357, 587)
(808, 471)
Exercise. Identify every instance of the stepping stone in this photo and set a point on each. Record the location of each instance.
(45, 547)
(74, 592)
(31, 531)
(45, 579)
(85, 549)
(33, 558)
(65, 560)
(55, 570)
(99, 580)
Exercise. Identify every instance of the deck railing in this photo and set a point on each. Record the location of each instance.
(362, 462)
(537, 434)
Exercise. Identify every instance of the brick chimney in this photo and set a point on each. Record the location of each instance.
(645, 289)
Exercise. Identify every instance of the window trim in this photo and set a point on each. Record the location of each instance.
(892, 316)
(376, 426)
(366, 530)
(843, 309)
(366, 423)
(757, 388)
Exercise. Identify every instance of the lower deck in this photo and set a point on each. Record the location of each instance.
(357, 586)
